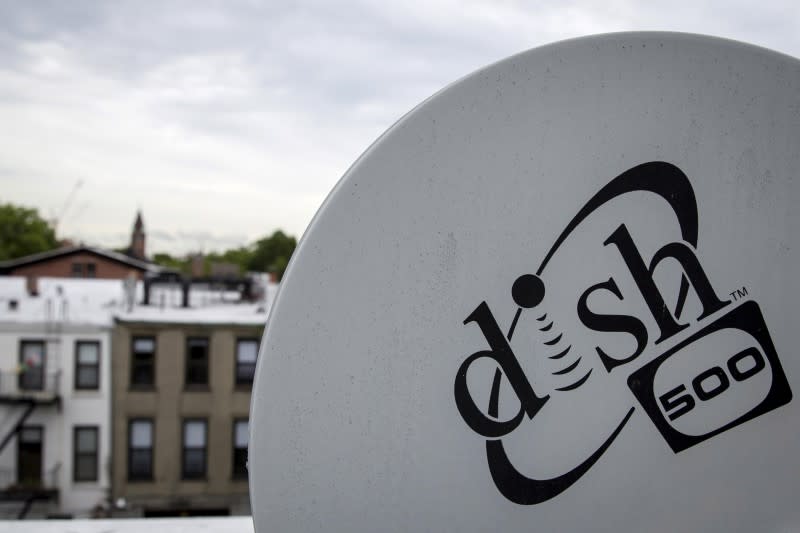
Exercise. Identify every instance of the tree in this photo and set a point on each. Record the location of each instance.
(23, 232)
(175, 263)
(272, 254)
(269, 254)
(235, 256)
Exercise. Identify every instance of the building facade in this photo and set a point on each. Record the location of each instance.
(55, 390)
(182, 380)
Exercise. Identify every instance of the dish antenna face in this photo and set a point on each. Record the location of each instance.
(560, 294)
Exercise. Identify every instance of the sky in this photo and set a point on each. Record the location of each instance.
(224, 121)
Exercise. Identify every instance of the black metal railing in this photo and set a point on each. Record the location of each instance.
(12, 481)
(30, 384)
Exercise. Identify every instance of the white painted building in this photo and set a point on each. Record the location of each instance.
(55, 391)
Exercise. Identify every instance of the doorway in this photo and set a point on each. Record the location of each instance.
(30, 445)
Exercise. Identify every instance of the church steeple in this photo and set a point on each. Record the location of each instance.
(138, 238)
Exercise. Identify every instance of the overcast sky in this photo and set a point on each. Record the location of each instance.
(224, 121)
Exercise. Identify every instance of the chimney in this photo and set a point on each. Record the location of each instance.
(129, 289)
(185, 289)
(32, 285)
(146, 297)
(197, 266)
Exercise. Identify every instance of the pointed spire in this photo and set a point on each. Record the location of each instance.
(139, 224)
(137, 246)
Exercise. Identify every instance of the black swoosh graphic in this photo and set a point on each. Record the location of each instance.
(523, 490)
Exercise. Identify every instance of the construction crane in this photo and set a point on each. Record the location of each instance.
(66, 206)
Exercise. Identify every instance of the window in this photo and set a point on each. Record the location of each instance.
(246, 354)
(197, 361)
(140, 449)
(84, 270)
(85, 446)
(143, 357)
(240, 439)
(87, 365)
(194, 449)
(31, 361)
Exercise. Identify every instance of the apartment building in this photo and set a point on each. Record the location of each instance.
(182, 378)
(55, 390)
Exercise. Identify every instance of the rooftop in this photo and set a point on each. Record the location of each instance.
(99, 302)
(71, 250)
(233, 524)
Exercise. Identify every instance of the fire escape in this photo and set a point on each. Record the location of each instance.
(22, 393)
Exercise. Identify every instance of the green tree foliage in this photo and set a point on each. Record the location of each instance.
(269, 254)
(177, 263)
(272, 254)
(23, 232)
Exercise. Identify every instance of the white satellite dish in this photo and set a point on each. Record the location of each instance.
(559, 295)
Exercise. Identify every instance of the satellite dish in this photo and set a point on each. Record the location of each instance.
(560, 294)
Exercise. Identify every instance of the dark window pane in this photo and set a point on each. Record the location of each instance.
(87, 377)
(86, 468)
(141, 464)
(142, 372)
(240, 463)
(143, 361)
(194, 462)
(245, 372)
(85, 458)
(197, 361)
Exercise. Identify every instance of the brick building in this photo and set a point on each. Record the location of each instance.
(78, 262)
(85, 262)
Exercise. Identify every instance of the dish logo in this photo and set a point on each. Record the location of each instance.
(705, 374)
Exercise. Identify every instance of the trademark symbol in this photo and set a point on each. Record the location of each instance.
(738, 294)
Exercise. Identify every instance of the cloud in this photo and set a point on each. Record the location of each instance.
(237, 118)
